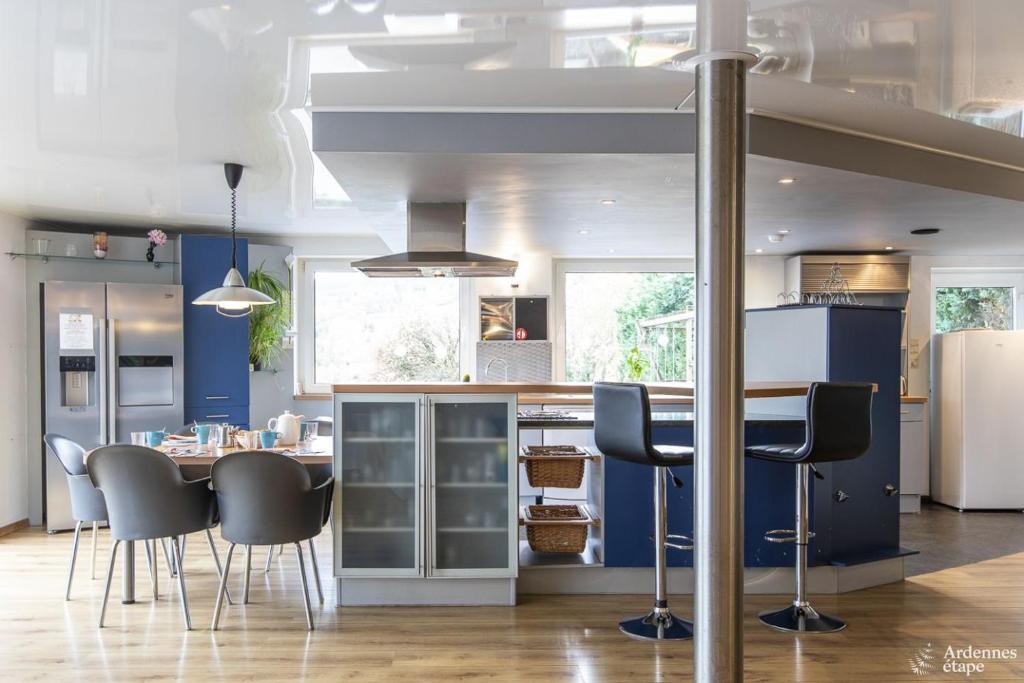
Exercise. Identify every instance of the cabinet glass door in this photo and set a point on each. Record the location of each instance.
(377, 495)
(472, 446)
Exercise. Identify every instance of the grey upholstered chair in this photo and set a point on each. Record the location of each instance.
(269, 499)
(87, 503)
(148, 499)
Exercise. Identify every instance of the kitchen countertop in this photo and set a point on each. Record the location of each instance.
(913, 399)
(584, 419)
(539, 389)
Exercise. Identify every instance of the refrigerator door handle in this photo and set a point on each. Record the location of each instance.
(112, 378)
(101, 381)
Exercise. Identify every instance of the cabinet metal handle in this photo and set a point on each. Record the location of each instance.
(210, 417)
(217, 398)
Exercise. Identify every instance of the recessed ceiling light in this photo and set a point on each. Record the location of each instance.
(850, 90)
(786, 180)
(925, 231)
(889, 248)
(611, 251)
(776, 238)
(759, 251)
(783, 232)
(584, 232)
(607, 202)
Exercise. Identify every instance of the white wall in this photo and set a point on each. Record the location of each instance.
(919, 307)
(14, 480)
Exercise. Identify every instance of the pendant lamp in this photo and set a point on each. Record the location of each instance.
(233, 299)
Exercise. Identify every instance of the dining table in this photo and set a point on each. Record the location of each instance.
(195, 462)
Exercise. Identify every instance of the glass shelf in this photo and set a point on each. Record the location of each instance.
(57, 257)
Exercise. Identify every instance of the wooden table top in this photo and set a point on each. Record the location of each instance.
(321, 453)
(533, 389)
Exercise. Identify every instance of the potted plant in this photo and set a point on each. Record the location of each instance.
(267, 324)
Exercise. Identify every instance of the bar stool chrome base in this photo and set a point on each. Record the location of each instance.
(803, 619)
(657, 625)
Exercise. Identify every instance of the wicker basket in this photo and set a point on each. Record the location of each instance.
(554, 466)
(557, 528)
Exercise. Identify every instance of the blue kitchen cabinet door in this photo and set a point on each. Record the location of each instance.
(216, 347)
(233, 415)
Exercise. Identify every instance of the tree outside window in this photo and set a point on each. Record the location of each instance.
(963, 308)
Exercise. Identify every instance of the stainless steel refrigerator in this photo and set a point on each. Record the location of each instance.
(112, 365)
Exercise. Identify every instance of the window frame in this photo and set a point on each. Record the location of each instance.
(305, 328)
(562, 266)
(1012, 278)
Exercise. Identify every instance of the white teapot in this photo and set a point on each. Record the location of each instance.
(287, 427)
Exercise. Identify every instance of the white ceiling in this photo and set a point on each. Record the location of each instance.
(121, 112)
(537, 202)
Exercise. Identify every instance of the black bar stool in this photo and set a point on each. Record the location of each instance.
(838, 428)
(622, 430)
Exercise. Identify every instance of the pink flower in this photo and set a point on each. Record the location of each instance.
(157, 237)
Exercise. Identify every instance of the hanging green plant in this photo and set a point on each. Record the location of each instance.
(268, 324)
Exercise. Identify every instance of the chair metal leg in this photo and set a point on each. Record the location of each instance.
(216, 560)
(92, 570)
(181, 550)
(181, 585)
(167, 556)
(316, 570)
(110, 578)
(222, 589)
(248, 571)
(659, 623)
(270, 556)
(800, 617)
(74, 554)
(305, 587)
(151, 564)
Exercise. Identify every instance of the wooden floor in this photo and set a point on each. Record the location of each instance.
(42, 637)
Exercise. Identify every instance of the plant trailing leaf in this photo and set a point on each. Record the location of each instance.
(268, 324)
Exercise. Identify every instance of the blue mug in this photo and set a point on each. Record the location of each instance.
(154, 439)
(267, 439)
(202, 433)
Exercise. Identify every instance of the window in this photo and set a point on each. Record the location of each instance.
(626, 320)
(359, 329)
(964, 299)
(964, 308)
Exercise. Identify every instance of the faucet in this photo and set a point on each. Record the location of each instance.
(487, 368)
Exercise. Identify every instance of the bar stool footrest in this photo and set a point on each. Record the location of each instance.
(687, 545)
(776, 536)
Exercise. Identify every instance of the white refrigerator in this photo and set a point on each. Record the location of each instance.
(977, 460)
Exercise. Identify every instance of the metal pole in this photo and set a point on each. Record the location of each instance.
(718, 405)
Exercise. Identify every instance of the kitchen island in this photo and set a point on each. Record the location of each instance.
(426, 505)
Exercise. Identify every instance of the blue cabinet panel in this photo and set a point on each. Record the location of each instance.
(864, 346)
(233, 415)
(216, 347)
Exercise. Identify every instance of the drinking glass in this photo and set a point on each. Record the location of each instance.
(138, 438)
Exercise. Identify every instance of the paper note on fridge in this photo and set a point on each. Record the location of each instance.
(76, 331)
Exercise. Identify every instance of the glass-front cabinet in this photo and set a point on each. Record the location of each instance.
(472, 503)
(378, 490)
(426, 485)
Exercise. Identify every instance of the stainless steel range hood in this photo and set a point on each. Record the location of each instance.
(437, 248)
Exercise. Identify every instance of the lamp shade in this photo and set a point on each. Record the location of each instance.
(233, 297)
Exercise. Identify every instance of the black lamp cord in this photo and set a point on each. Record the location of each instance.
(234, 213)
